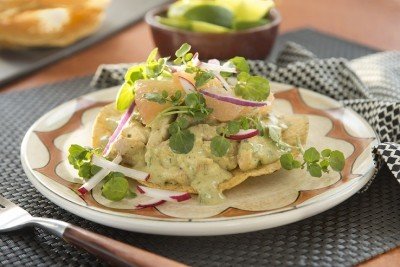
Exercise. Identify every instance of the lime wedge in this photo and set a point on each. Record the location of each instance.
(179, 8)
(243, 25)
(212, 14)
(201, 26)
(175, 22)
(253, 10)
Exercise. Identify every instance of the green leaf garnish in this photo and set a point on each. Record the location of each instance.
(183, 50)
(316, 163)
(80, 158)
(311, 155)
(202, 77)
(219, 146)
(240, 64)
(336, 160)
(125, 96)
(116, 186)
(182, 141)
(254, 88)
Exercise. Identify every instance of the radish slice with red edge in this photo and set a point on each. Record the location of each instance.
(92, 182)
(163, 194)
(234, 100)
(125, 118)
(187, 85)
(243, 134)
(150, 203)
(111, 166)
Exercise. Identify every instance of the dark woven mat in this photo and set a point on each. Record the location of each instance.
(360, 228)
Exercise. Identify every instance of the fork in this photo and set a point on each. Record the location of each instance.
(13, 217)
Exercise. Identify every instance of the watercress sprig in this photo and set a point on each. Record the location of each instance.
(116, 186)
(181, 140)
(315, 162)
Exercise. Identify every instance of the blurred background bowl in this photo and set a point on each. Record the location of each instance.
(254, 43)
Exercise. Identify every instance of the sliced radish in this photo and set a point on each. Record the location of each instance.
(150, 203)
(214, 61)
(111, 166)
(187, 85)
(244, 134)
(125, 118)
(234, 100)
(163, 194)
(92, 182)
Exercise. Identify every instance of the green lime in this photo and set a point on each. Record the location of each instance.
(201, 26)
(253, 10)
(212, 14)
(179, 8)
(175, 22)
(243, 25)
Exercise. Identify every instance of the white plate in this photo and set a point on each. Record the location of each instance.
(259, 203)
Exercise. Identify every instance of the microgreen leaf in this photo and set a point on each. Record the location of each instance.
(240, 64)
(116, 186)
(311, 155)
(326, 153)
(202, 77)
(182, 142)
(80, 158)
(155, 97)
(233, 127)
(337, 160)
(287, 161)
(315, 170)
(219, 146)
(183, 50)
(254, 88)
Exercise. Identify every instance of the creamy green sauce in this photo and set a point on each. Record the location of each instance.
(148, 150)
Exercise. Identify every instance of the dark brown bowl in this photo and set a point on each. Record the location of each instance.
(254, 43)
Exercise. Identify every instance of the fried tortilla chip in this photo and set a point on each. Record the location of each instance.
(297, 130)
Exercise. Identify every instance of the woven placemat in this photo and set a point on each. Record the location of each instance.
(358, 229)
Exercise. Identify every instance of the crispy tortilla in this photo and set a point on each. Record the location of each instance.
(297, 129)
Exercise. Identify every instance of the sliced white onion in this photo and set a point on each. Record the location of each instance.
(225, 84)
(150, 203)
(125, 118)
(214, 61)
(216, 67)
(244, 134)
(195, 59)
(234, 100)
(129, 172)
(92, 182)
(163, 194)
(187, 85)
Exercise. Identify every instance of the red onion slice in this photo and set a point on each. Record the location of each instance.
(150, 203)
(125, 118)
(92, 182)
(163, 194)
(234, 100)
(195, 59)
(111, 166)
(187, 85)
(244, 134)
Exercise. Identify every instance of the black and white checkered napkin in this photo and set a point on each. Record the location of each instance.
(370, 85)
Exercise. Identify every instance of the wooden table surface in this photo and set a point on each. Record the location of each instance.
(373, 23)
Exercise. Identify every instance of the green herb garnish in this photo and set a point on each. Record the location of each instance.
(254, 88)
(219, 146)
(80, 158)
(315, 162)
(153, 68)
(116, 187)
(181, 140)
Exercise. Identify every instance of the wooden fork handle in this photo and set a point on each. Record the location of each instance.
(114, 252)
